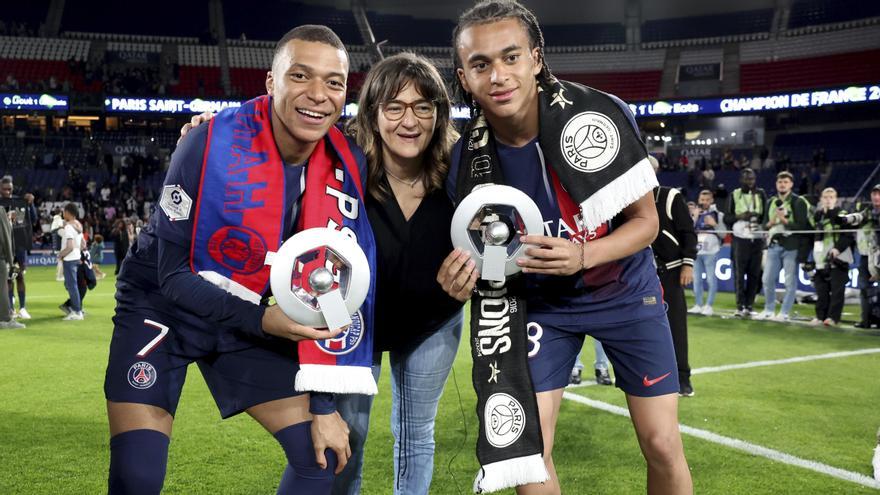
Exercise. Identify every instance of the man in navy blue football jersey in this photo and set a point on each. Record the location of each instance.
(606, 287)
(168, 316)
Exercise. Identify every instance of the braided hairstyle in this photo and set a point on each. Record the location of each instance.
(488, 11)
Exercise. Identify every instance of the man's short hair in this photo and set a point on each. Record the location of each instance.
(310, 32)
(72, 209)
(6, 180)
(785, 174)
(707, 191)
(747, 171)
(829, 190)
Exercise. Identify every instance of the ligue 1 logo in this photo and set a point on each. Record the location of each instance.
(142, 375)
(504, 419)
(590, 142)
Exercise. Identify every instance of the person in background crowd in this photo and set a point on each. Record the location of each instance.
(600, 366)
(745, 206)
(85, 281)
(71, 254)
(23, 215)
(119, 236)
(708, 244)
(96, 252)
(832, 255)
(783, 213)
(867, 219)
(57, 229)
(674, 251)
(7, 322)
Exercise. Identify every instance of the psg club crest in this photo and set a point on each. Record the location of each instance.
(590, 142)
(320, 277)
(142, 375)
(239, 249)
(488, 224)
(347, 341)
(504, 420)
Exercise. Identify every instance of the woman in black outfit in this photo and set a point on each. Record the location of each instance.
(404, 127)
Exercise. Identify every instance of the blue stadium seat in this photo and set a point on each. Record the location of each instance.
(813, 12)
(707, 26)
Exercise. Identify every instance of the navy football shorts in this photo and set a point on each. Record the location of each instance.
(640, 351)
(151, 350)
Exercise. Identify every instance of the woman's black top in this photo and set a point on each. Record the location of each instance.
(409, 301)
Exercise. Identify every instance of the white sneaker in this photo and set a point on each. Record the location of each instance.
(815, 322)
(74, 315)
(707, 311)
(781, 317)
(11, 325)
(695, 310)
(764, 315)
(23, 314)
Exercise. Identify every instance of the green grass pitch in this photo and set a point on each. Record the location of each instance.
(53, 427)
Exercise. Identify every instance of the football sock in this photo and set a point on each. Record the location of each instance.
(21, 297)
(303, 475)
(138, 459)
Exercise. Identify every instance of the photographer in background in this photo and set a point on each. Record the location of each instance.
(746, 206)
(783, 213)
(706, 225)
(23, 215)
(867, 219)
(832, 255)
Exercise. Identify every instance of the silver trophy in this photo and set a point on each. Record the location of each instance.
(488, 223)
(320, 277)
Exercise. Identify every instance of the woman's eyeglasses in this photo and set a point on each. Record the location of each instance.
(394, 109)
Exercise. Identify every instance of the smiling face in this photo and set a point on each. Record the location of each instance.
(307, 83)
(408, 137)
(499, 68)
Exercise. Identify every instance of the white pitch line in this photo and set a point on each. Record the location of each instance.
(756, 364)
(774, 362)
(743, 446)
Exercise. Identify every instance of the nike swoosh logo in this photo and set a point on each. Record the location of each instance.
(648, 383)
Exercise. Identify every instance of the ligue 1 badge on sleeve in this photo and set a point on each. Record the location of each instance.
(488, 223)
(320, 277)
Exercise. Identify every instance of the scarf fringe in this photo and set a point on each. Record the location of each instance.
(510, 473)
(335, 379)
(877, 462)
(623, 191)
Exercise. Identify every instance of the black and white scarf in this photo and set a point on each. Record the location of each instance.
(602, 166)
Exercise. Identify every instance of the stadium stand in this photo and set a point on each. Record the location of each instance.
(813, 12)
(732, 26)
(159, 18)
(277, 17)
(842, 146)
(845, 68)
